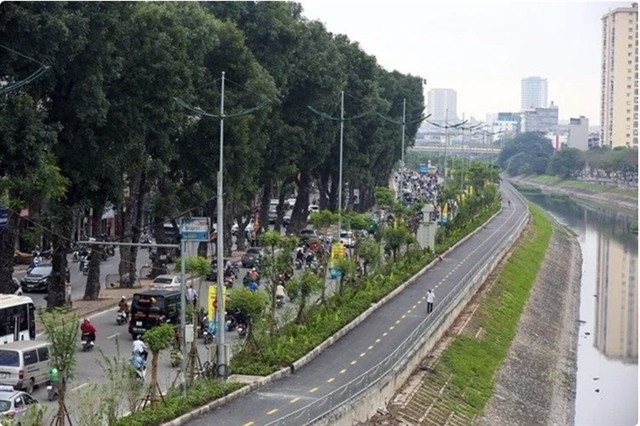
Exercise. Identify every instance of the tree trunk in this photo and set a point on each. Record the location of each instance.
(333, 194)
(158, 266)
(7, 251)
(240, 240)
(226, 226)
(323, 189)
(131, 232)
(92, 288)
(301, 207)
(264, 205)
(56, 296)
(280, 208)
(154, 380)
(303, 304)
(202, 249)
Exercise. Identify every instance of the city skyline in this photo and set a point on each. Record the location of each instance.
(485, 52)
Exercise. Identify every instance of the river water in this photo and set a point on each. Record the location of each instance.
(607, 376)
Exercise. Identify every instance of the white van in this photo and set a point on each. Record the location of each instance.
(24, 364)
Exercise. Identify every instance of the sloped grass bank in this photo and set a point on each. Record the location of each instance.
(294, 341)
(473, 363)
(584, 186)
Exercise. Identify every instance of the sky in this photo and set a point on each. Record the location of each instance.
(482, 49)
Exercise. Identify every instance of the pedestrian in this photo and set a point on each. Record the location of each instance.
(431, 297)
(192, 296)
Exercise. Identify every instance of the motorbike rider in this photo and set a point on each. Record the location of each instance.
(123, 306)
(87, 328)
(140, 347)
(137, 361)
(254, 275)
(300, 254)
(280, 293)
(241, 318)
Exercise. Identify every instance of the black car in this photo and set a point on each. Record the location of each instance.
(37, 279)
(252, 257)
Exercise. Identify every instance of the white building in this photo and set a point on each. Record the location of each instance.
(534, 93)
(578, 133)
(442, 104)
(619, 85)
(506, 124)
(540, 119)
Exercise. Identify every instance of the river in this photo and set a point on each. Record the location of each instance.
(607, 376)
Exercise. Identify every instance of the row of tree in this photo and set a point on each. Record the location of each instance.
(102, 125)
(533, 153)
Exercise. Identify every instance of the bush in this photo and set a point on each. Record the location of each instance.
(201, 392)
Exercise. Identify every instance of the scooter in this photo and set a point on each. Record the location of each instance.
(231, 322)
(228, 282)
(87, 344)
(52, 391)
(242, 331)
(84, 266)
(299, 264)
(209, 332)
(121, 317)
(279, 302)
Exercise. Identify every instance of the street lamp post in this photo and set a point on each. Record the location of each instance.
(340, 171)
(404, 114)
(220, 329)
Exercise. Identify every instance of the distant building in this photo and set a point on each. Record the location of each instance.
(540, 119)
(578, 133)
(594, 139)
(506, 124)
(442, 104)
(534, 93)
(619, 84)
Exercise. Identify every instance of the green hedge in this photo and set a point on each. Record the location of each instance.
(294, 341)
(200, 393)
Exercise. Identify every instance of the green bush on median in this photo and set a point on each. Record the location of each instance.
(201, 392)
(293, 341)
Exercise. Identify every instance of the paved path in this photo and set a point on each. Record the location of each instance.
(374, 339)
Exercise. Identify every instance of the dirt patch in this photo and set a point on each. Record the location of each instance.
(536, 384)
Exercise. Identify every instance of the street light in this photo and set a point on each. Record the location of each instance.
(447, 126)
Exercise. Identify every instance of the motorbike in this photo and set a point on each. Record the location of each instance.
(228, 282)
(121, 317)
(76, 256)
(52, 391)
(87, 344)
(231, 322)
(279, 302)
(140, 373)
(176, 357)
(84, 265)
(35, 261)
(208, 332)
(299, 264)
(242, 331)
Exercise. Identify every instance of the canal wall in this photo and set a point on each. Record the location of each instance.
(536, 385)
(606, 198)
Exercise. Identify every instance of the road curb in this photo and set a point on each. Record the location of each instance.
(322, 346)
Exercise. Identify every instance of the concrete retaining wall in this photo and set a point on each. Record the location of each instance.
(366, 405)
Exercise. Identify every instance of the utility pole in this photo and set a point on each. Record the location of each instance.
(220, 309)
(340, 171)
(404, 115)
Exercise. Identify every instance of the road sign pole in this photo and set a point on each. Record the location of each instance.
(183, 318)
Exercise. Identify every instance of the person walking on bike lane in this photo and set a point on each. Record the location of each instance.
(431, 297)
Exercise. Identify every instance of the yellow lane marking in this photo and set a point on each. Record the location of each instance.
(404, 316)
(294, 400)
(344, 370)
(362, 354)
(413, 307)
(398, 322)
(370, 347)
(391, 328)
(353, 362)
(330, 380)
(313, 390)
(272, 411)
(377, 340)
(384, 334)
(248, 424)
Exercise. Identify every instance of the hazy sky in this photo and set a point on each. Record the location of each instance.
(482, 50)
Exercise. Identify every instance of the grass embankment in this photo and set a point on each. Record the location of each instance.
(474, 362)
(584, 186)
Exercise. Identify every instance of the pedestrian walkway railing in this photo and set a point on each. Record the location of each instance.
(397, 359)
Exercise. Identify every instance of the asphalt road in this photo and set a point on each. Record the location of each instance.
(374, 339)
(79, 281)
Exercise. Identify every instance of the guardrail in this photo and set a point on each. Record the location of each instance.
(404, 352)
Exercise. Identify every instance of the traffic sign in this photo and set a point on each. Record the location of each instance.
(194, 228)
(4, 217)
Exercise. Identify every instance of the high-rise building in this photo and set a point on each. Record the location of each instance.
(442, 104)
(619, 85)
(579, 133)
(540, 119)
(534, 93)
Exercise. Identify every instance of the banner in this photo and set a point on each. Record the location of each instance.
(212, 301)
(337, 251)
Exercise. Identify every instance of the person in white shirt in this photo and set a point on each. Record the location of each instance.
(140, 347)
(431, 297)
(192, 296)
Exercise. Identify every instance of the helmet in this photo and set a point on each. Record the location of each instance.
(253, 269)
(139, 337)
(86, 320)
(124, 297)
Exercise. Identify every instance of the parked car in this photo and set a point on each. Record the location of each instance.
(314, 208)
(286, 220)
(252, 257)
(273, 211)
(165, 282)
(37, 279)
(346, 238)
